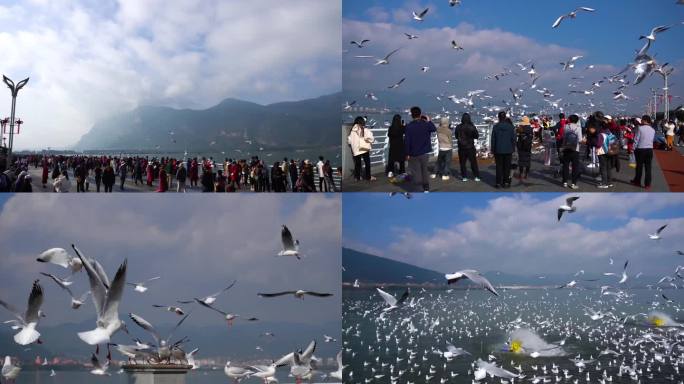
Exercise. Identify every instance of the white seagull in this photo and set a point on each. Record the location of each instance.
(27, 321)
(106, 300)
(338, 373)
(59, 256)
(567, 207)
(298, 294)
(455, 45)
(473, 276)
(420, 16)
(290, 245)
(9, 370)
(570, 64)
(236, 373)
(177, 310)
(652, 36)
(211, 298)
(391, 301)
(75, 303)
(385, 60)
(571, 15)
(141, 287)
(656, 236)
(359, 44)
(99, 369)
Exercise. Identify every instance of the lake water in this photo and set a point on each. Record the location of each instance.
(405, 345)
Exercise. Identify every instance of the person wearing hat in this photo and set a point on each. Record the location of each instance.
(524, 146)
(502, 145)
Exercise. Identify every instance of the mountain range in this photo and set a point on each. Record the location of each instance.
(231, 124)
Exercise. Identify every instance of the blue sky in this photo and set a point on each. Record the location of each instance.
(88, 60)
(496, 34)
(515, 231)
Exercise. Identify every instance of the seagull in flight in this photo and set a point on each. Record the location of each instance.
(229, 316)
(410, 36)
(624, 277)
(570, 64)
(567, 207)
(27, 321)
(656, 236)
(359, 44)
(571, 15)
(455, 45)
(298, 294)
(98, 368)
(385, 60)
(290, 246)
(397, 84)
(420, 16)
(141, 287)
(75, 303)
(652, 36)
(391, 301)
(177, 310)
(59, 256)
(211, 298)
(473, 276)
(106, 299)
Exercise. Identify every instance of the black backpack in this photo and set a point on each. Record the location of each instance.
(570, 140)
(525, 142)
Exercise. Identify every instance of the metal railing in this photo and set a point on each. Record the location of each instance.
(380, 148)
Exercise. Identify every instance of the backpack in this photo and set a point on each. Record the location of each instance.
(570, 140)
(611, 146)
(524, 142)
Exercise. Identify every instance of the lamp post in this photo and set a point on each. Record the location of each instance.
(665, 73)
(14, 89)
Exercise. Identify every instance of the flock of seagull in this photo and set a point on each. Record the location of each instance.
(482, 105)
(574, 333)
(107, 295)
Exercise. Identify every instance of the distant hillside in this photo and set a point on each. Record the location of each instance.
(237, 342)
(374, 269)
(232, 124)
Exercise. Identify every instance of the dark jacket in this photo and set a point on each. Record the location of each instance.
(418, 137)
(524, 145)
(503, 138)
(396, 142)
(466, 134)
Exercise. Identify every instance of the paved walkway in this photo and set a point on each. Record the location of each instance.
(541, 178)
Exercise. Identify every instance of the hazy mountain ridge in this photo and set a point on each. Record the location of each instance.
(295, 124)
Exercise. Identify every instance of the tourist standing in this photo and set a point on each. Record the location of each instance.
(466, 134)
(643, 151)
(418, 145)
(360, 140)
(502, 144)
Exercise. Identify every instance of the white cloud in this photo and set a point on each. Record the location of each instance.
(519, 234)
(88, 60)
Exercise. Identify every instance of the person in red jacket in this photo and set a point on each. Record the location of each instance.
(46, 170)
(194, 173)
(163, 181)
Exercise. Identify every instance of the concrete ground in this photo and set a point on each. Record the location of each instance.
(541, 178)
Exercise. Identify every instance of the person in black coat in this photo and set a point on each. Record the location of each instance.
(395, 133)
(466, 133)
(524, 145)
(502, 146)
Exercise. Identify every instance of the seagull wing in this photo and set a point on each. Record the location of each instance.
(476, 278)
(57, 256)
(34, 302)
(202, 303)
(176, 327)
(391, 53)
(276, 294)
(571, 200)
(110, 310)
(661, 229)
(221, 291)
(59, 282)
(403, 297)
(424, 12)
(153, 279)
(558, 21)
(144, 324)
(318, 294)
(97, 287)
(587, 9)
(286, 237)
(560, 213)
(389, 299)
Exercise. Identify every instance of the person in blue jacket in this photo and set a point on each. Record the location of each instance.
(418, 143)
(502, 146)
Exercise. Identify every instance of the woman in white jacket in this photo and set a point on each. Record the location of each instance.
(360, 140)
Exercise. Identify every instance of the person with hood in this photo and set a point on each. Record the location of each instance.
(466, 134)
(62, 183)
(360, 140)
(395, 134)
(502, 145)
(524, 147)
(444, 141)
(418, 144)
(571, 145)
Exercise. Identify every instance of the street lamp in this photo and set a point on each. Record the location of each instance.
(14, 89)
(665, 73)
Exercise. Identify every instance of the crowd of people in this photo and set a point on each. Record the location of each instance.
(601, 140)
(104, 173)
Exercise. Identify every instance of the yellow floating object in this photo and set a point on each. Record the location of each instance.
(516, 346)
(656, 321)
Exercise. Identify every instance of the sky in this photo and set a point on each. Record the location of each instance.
(196, 244)
(91, 59)
(518, 233)
(494, 35)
